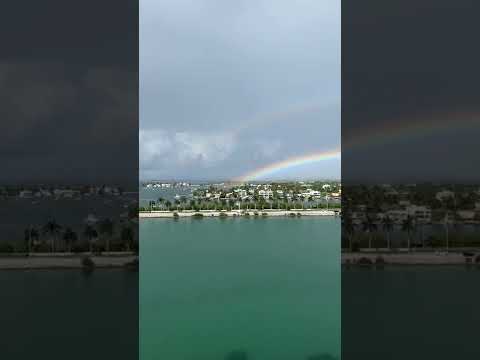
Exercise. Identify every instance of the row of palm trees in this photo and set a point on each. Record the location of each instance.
(387, 225)
(257, 203)
(105, 229)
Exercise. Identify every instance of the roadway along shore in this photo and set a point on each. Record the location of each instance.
(236, 213)
(63, 261)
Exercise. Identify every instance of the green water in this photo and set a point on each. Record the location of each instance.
(411, 312)
(65, 314)
(269, 287)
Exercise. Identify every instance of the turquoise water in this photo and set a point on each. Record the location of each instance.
(269, 287)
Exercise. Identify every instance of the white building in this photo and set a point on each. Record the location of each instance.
(444, 194)
(25, 194)
(466, 214)
(421, 213)
(397, 215)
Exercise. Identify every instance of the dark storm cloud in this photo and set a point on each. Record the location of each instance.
(68, 76)
(404, 62)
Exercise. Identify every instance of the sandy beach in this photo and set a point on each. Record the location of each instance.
(235, 213)
(62, 261)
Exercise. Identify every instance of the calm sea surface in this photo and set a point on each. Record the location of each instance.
(65, 314)
(411, 312)
(269, 287)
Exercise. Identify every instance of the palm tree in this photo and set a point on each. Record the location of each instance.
(52, 228)
(446, 222)
(127, 236)
(105, 227)
(369, 226)
(160, 200)
(151, 204)
(30, 234)
(69, 236)
(349, 229)
(183, 202)
(90, 233)
(456, 221)
(387, 225)
(408, 225)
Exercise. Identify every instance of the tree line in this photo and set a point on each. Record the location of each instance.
(102, 236)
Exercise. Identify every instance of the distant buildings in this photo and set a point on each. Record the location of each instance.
(60, 192)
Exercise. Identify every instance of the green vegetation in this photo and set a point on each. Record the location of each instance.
(88, 263)
(274, 196)
(427, 216)
(95, 238)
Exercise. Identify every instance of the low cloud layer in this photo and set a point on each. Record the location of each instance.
(164, 149)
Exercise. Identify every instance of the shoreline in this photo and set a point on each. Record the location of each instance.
(424, 258)
(48, 261)
(236, 213)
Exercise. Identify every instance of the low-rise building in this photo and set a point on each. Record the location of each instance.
(420, 213)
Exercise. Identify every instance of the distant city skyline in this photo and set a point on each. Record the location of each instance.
(228, 90)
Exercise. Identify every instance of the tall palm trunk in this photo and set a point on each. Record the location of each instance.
(29, 245)
(446, 236)
(423, 237)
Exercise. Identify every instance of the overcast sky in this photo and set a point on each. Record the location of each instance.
(69, 103)
(227, 87)
(404, 67)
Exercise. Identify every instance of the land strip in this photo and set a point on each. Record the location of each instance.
(412, 258)
(63, 261)
(236, 213)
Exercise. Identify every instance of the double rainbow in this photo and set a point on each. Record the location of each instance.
(397, 131)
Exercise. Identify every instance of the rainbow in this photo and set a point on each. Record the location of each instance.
(289, 163)
(285, 114)
(418, 127)
(394, 132)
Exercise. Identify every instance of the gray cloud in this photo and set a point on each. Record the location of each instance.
(234, 87)
(66, 127)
